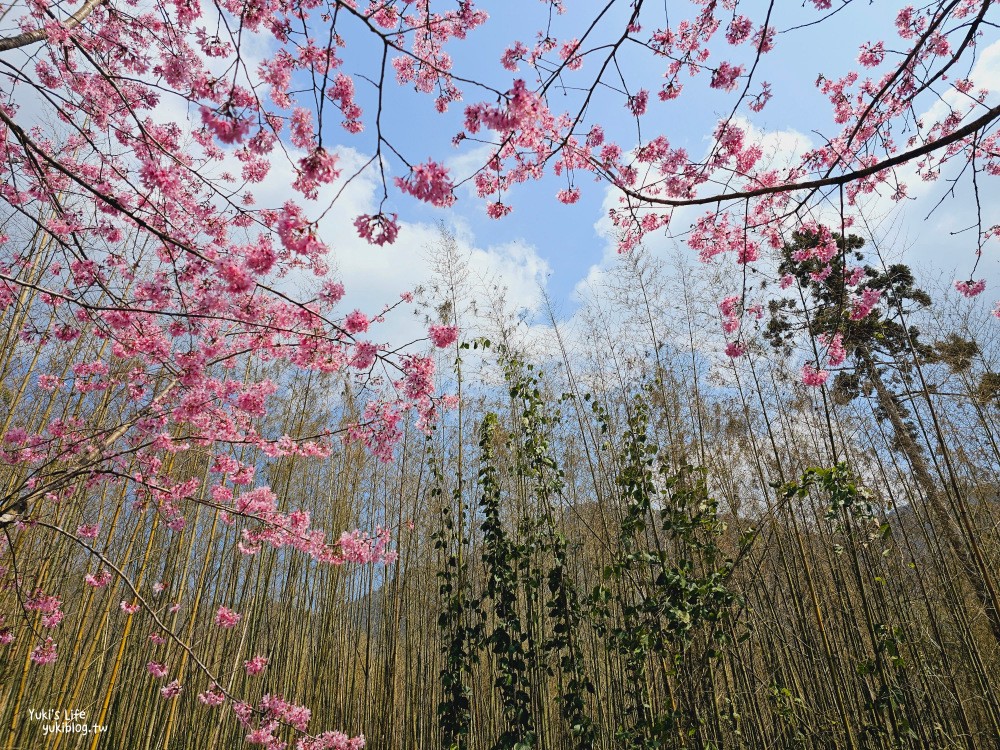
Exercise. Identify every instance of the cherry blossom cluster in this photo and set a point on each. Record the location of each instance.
(227, 618)
(813, 376)
(274, 713)
(48, 606)
(6, 632)
(731, 309)
(443, 336)
(970, 288)
(835, 352)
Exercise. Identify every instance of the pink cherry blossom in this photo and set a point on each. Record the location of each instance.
(428, 182)
(256, 665)
(356, 322)
(739, 29)
(44, 653)
(211, 697)
(725, 76)
(227, 618)
(318, 168)
(812, 376)
(49, 608)
(735, 349)
(835, 352)
(171, 690)
(226, 127)
(568, 196)
(101, 580)
(378, 229)
(443, 336)
(365, 355)
(498, 210)
(872, 54)
(862, 306)
(333, 292)
(729, 305)
(970, 288)
(638, 102)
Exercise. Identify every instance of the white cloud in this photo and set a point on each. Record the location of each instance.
(936, 225)
(374, 276)
(781, 149)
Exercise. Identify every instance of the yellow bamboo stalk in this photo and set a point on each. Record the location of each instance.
(108, 607)
(102, 717)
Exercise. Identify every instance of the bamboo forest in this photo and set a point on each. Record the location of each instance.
(526, 375)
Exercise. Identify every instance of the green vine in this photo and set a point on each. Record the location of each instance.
(457, 603)
(657, 603)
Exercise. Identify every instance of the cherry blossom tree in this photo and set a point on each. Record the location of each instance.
(135, 132)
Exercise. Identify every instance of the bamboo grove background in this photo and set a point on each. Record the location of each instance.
(629, 544)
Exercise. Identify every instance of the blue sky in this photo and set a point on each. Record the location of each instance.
(546, 244)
